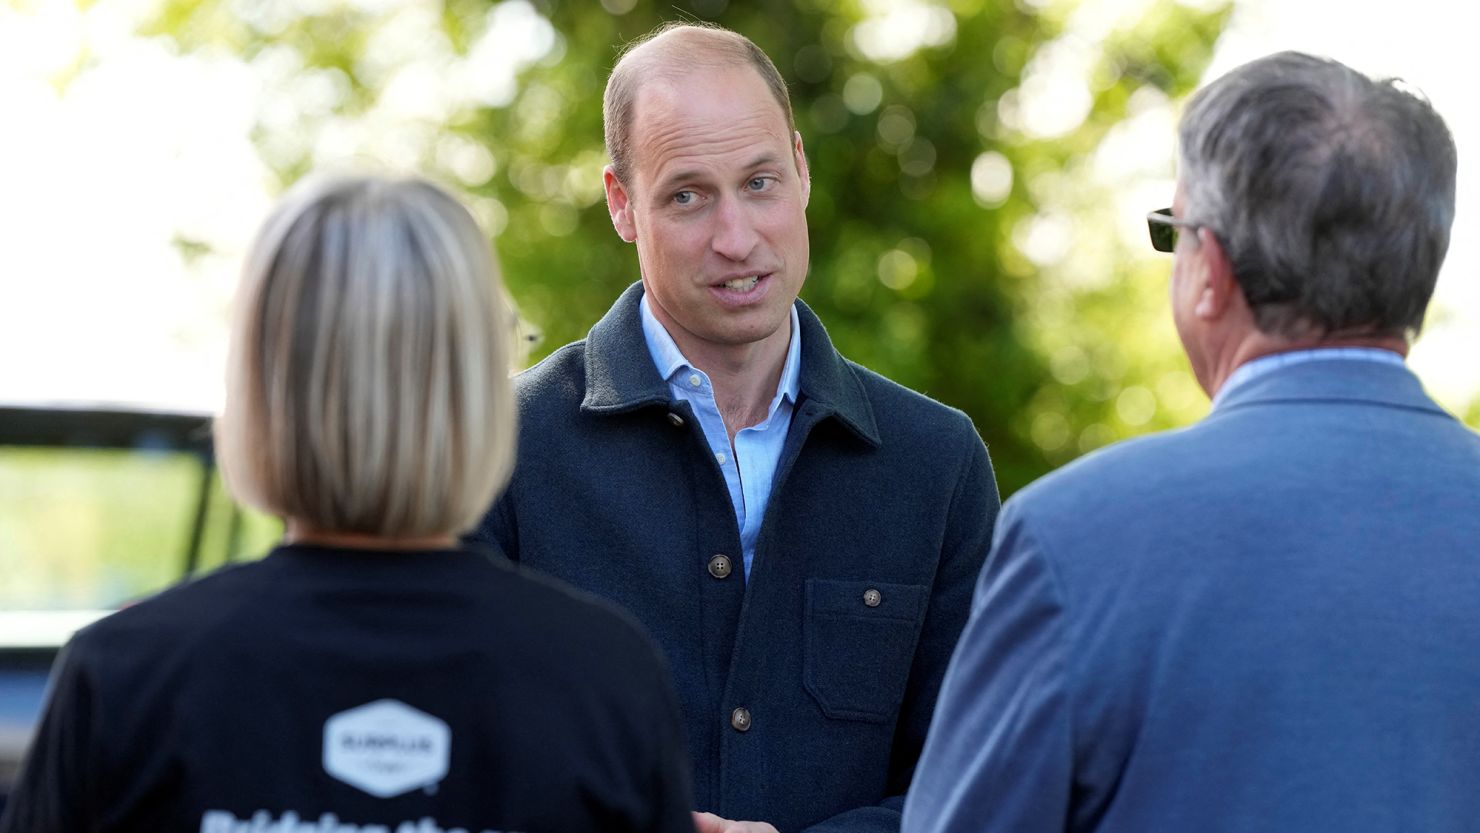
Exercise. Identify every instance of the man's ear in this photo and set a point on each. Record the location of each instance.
(801, 163)
(1220, 289)
(619, 205)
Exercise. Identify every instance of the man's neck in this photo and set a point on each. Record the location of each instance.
(744, 376)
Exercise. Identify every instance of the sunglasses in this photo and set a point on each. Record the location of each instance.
(1164, 226)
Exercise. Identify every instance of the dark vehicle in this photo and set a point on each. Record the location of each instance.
(98, 507)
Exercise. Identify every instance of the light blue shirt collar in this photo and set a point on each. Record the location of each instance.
(1251, 370)
(670, 361)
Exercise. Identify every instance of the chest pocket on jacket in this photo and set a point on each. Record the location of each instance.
(860, 643)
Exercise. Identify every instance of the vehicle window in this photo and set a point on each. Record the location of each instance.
(97, 527)
(99, 507)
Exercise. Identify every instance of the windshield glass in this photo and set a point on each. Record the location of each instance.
(98, 508)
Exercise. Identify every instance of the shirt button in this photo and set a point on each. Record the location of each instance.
(720, 458)
(675, 420)
(719, 566)
(740, 719)
(872, 597)
(694, 380)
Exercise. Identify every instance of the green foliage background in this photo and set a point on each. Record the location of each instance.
(913, 274)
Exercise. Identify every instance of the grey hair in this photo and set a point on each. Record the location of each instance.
(1331, 193)
(368, 381)
(671, 51)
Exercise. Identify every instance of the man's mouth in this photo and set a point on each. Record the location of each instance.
(742, 284)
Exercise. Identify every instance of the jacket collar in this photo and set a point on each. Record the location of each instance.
(1334, 380)
(621, 376)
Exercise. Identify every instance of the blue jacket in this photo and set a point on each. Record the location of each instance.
(879, 520)
(1267, 622)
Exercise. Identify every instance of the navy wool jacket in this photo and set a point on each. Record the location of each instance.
(808, 688)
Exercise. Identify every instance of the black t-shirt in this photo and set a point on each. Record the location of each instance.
(340, 691)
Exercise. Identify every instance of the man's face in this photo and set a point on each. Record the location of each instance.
(716, 205)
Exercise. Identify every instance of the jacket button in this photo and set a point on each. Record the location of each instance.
(675, 420)
(872, 597)
(720, 567)
(740, 720)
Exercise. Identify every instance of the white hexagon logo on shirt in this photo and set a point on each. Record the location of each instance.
(386, 748)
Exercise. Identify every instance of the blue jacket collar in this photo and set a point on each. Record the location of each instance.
(1334, 381)
(620, 375)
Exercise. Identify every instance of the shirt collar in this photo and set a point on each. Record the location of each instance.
(1264, 365)
(621, 377)
(660, 344)
(670, 360)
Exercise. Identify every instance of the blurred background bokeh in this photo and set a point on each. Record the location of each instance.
(981, 170)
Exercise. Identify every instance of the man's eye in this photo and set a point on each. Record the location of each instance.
(760, 183)
(683, 198)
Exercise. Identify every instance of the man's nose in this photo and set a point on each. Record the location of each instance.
(734, 230)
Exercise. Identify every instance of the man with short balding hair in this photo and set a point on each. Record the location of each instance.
(1266, 622)
(799, 534)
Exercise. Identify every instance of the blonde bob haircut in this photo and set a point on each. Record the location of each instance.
(368, 379)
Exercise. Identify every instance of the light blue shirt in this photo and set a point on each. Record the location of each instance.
(750, 466)
(1251, 370)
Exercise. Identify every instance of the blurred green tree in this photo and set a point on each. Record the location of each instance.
(971, 164)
